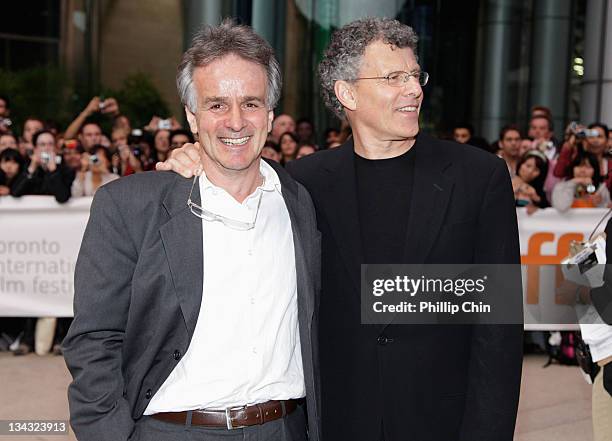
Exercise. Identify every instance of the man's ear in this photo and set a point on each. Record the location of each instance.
(191, 119)
(345, 93)
(270, 119)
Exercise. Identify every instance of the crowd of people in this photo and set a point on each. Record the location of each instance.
(569, 173)
(42, 160)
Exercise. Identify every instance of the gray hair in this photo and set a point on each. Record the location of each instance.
(343, 57)
(214, 42)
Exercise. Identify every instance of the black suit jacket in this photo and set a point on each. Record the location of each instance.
(423, 382)
(138, 290)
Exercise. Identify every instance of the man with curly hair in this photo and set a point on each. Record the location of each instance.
(391, 194)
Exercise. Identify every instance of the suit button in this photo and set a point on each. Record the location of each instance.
(177, 354)
(148, 394)
(382, 340)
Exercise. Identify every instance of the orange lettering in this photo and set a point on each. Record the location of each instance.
(534, 260)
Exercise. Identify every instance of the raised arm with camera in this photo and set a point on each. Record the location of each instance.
(108, 106)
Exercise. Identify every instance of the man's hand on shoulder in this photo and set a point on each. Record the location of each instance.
(185, 161)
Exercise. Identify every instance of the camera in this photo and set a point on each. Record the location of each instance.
(580, 131)
(586, 133)
(164, 124)
(545, 145)
(93, 159)
(45, 157)
(6, 122)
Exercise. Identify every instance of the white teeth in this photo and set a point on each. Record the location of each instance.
(235, 141)
(408, 109)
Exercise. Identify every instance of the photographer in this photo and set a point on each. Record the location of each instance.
(592, 139)
(584, 187)
(90, 135)
(45, 175)
(95, 172)
(127, 161)
(108, 106)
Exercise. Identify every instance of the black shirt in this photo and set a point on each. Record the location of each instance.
(384, 193)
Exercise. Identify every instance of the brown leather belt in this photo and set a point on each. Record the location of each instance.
(235, 417)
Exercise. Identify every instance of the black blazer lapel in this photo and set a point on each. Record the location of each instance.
(430, 197)
(182, 239)
(339, 204)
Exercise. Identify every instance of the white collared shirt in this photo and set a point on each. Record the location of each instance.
(246, 345)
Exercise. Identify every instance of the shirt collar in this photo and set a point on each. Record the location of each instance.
(271, 181)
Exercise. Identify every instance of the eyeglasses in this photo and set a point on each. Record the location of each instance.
(209, 216)
(399, 78)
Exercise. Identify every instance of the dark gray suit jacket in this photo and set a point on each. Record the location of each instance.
(138, 289)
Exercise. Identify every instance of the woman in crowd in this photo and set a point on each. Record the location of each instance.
(161, 140)
(45, 175)
(528, 184)
(95, 172)
(584, 186)
(11, 169)
(288, 143)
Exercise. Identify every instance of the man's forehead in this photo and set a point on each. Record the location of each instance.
(92, 128)
(230, 75)
(539, 122)
(385, 56)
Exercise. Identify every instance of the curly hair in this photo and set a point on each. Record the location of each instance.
(214, 42)
(343, 57)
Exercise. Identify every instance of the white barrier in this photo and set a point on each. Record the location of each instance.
(40, 239)
(39, 244)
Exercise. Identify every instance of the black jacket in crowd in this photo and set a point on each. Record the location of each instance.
(43, 182)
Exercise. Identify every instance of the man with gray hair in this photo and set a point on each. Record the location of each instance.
(391, 194)
(195, 299)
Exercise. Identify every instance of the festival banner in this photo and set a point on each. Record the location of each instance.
(39, 244)
(40, 240)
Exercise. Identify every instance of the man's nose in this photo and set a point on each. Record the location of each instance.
(235, 120)
(412, 87)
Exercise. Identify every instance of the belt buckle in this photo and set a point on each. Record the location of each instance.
(228, 417)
